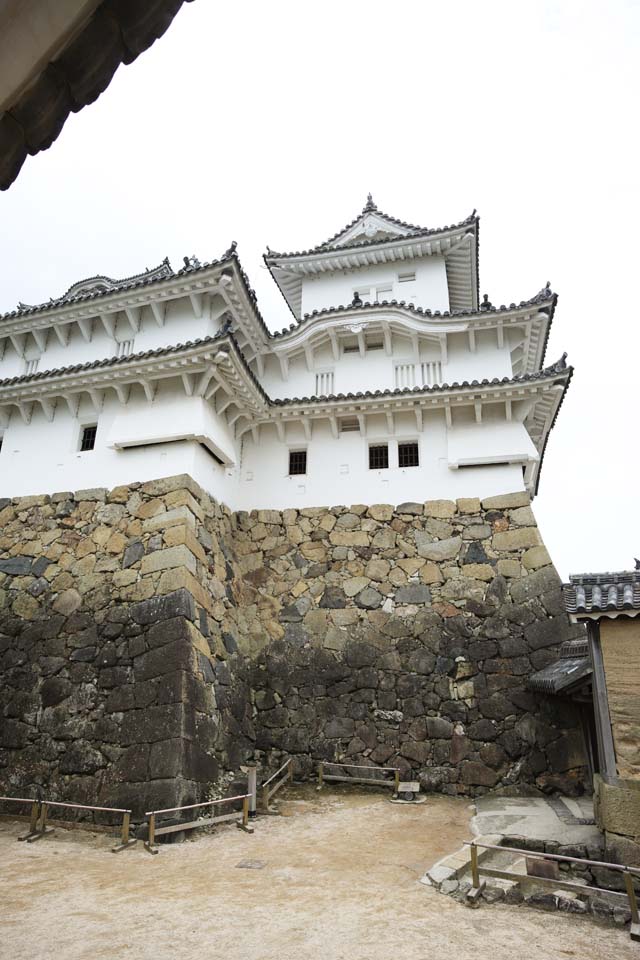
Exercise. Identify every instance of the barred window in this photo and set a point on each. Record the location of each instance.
(124, 348)
(297, 462)
(379, 456)
(88, 440)
(408, 455)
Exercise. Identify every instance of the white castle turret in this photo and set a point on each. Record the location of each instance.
(393, 383)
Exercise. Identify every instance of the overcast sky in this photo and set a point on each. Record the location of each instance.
(268, 123)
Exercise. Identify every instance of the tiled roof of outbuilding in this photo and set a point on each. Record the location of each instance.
(563, 675)
(602, 592)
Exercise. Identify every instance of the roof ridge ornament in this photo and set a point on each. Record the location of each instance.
(486, 303)
(369, 206)
(231, 250)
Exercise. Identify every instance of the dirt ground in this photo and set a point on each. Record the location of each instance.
(337, 877)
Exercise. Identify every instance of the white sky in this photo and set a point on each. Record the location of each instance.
(268, 123)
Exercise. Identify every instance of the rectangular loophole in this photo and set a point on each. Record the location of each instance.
(297, 462)
(88, 439)
(379, 456)
(408, 455)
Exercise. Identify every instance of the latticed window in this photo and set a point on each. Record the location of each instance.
(408, 455)
(124, 348)
(31, 366)
(297, 462)
(379, 456)
(324, 383)
(88, 440)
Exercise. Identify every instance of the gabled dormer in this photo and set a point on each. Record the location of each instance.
(378, 257)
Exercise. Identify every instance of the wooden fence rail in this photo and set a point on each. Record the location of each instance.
(155, 831)
(323, 776)
(40, 811)
(628, 874)
(285, 772)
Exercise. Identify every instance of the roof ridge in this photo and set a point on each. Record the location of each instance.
(370, 207)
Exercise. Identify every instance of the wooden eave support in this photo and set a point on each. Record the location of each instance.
(284, 365)
(149, 390)
(188, 382)
(85, 326)
(18, 342)
(307, 426)
(333, 423)
(133, 317)
(308, 355)
(48, 408)
(280, 430)
(390, 423)
(362, 424)
(362, 347)
(197, 304)
(419, 421)
(41, 336)
(159, 309)
(443, 348)
(108, 322)
(123, 392)
(26, 410)
(97, 398)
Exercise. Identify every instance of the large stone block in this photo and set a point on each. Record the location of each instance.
(506, 501)
(440, 549)
(179, 556)
(441, 509)
(518, 539)
(177, 604)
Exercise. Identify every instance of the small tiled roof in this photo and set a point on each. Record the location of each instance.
(571, 670)
(602, 592)
(412, 231)
(544, 297)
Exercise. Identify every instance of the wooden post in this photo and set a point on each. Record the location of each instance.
(633, 906)
(149, 843)
(252, 790)
(475, 875)
(245, 811)
(33, 821)
(606, 749)
(125, 840)
(396, 783)
(320, 772)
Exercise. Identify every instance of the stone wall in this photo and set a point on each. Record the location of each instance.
(150, 642)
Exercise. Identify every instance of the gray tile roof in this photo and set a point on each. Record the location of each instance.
(571, 670)
(413, 232)
(544, 297)
(602, 592)
(560, 367)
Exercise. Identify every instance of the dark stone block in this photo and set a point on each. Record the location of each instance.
(180, 603)
(418, 752)
(39, 566)
(290, 614)
(513, 647)
(359, 654)
(333, 598)
(133, 553)
(339, 727)
(439, 729)
(483, 730)
(547, 633)
(421, 661)
(474, 773)
(475, 553)
(16, 566)
(230, 644)
(81, 757)
(83, 654)
(54, 690)
(413, 593)
(206, 668)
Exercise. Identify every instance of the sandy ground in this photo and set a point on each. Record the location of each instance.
(340, 879)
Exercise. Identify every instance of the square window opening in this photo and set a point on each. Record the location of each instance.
(88, 437)
(379, 456)
(297, 462)
(408, 455)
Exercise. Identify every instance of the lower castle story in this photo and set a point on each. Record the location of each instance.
(152, 641)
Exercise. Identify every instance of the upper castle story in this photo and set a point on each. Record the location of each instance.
(390, 345)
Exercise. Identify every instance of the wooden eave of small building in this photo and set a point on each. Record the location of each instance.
(532, 319)
(457, 244)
